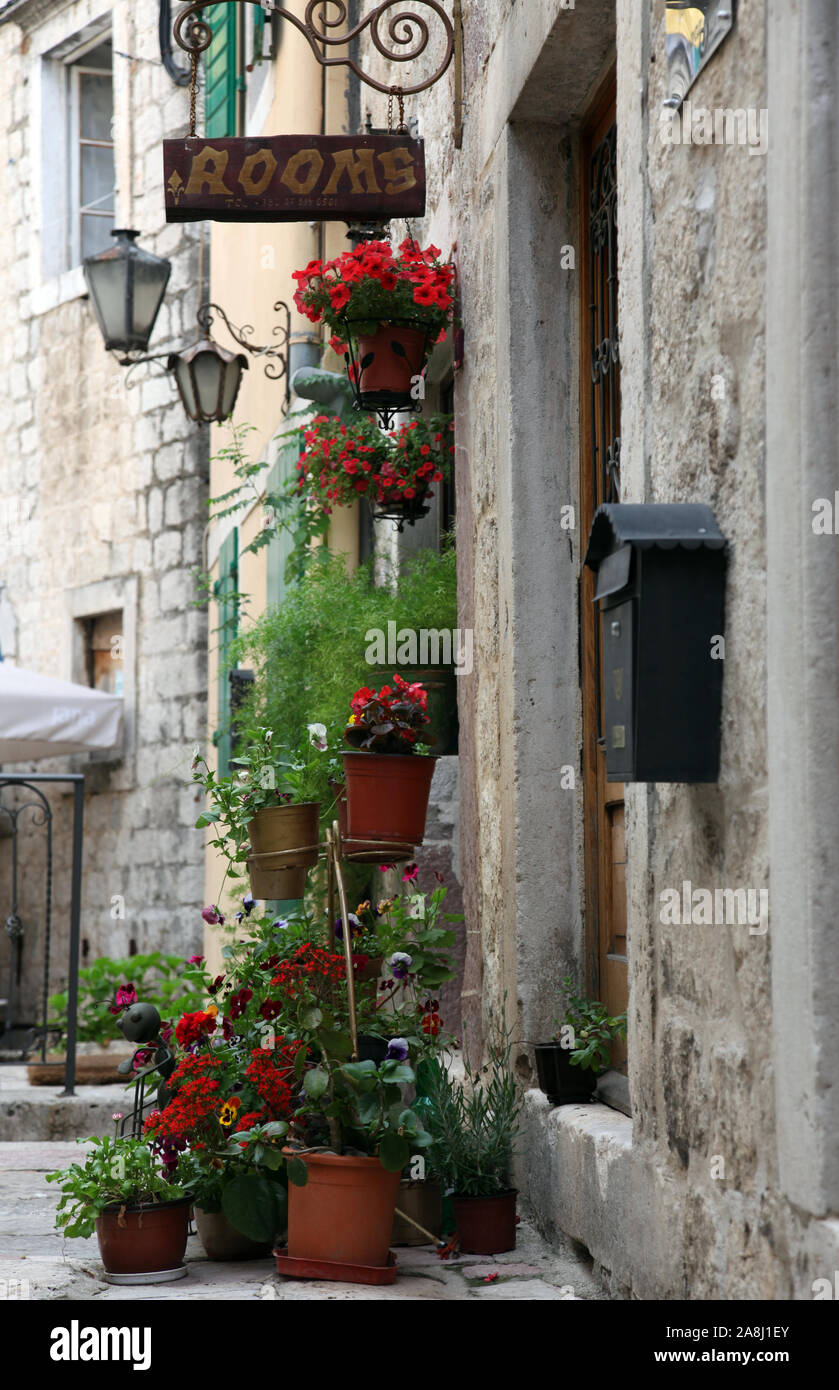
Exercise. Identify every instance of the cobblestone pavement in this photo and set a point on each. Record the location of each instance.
(46, 1266)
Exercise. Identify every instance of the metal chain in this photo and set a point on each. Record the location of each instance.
(193, 90)
(400, 97)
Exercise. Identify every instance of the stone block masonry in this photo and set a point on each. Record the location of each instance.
(109, 484)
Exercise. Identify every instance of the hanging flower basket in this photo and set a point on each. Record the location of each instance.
(385, 310)
(341, 462)
(421, 454)
(385, 366)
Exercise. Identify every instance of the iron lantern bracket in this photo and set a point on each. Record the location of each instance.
(276, 367)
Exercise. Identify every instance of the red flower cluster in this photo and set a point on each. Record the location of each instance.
(372, 283)
(311, 966)
(271, 1074)
(386, 719)
(421, 454)
(340, 462)
(253, 1117)
(193, 1028)
(196, 1085)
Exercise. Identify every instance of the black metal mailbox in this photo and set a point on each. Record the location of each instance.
(660, 581)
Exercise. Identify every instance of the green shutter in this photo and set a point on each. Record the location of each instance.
(220, 94)
(225, 591)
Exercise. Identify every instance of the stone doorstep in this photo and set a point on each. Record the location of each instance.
(573, 1169)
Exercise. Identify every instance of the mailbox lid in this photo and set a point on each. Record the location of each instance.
(643, 525)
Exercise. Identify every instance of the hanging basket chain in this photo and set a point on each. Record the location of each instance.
(193, 90)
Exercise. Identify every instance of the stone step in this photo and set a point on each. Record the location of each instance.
(40, 1114)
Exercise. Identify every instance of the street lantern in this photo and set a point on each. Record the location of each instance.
(126, 287)
(208, 379)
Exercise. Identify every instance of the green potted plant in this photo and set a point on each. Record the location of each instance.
(266, 814)
(139, 1210)
(388, 780)
(384, 309)
(474, 1128)
(343, 1183)
(568, 1066)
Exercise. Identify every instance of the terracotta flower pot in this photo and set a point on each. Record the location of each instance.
(387, 796)
(221, 1240)
(345, 1211)
(150, 1238)
(284, 843)
(486, 1225)
(388, 361)
(364, 851)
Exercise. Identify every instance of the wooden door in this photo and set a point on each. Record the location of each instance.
(605, 844)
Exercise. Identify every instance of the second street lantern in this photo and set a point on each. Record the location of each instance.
(208, 379)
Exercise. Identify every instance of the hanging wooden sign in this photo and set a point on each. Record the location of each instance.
(294, 178)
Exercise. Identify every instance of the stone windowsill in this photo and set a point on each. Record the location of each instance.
(59, 290)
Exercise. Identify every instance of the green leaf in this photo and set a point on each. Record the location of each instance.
(300, 1063)
(335, 1043)
(249, 1203)
(207, 818)
(367, 1108)
(275, 1129)
(394, 1151)
(297, 1172)
(316, 1083)
(310, 1018)
(396, 1073)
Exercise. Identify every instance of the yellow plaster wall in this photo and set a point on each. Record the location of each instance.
(251, 266)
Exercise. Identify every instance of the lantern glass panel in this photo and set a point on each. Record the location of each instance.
(231, 386)
(183, 376)
(208, 370)
(106, 280)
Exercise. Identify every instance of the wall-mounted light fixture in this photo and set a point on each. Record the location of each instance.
(127, 285)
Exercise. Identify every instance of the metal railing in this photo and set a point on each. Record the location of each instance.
(15, 926)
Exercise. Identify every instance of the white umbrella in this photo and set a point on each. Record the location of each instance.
(44, 718)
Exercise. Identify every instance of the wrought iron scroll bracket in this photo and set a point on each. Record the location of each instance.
(277, 366)
(404, 30)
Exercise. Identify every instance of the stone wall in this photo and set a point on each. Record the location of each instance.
(104, 493)
(682, 1200)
